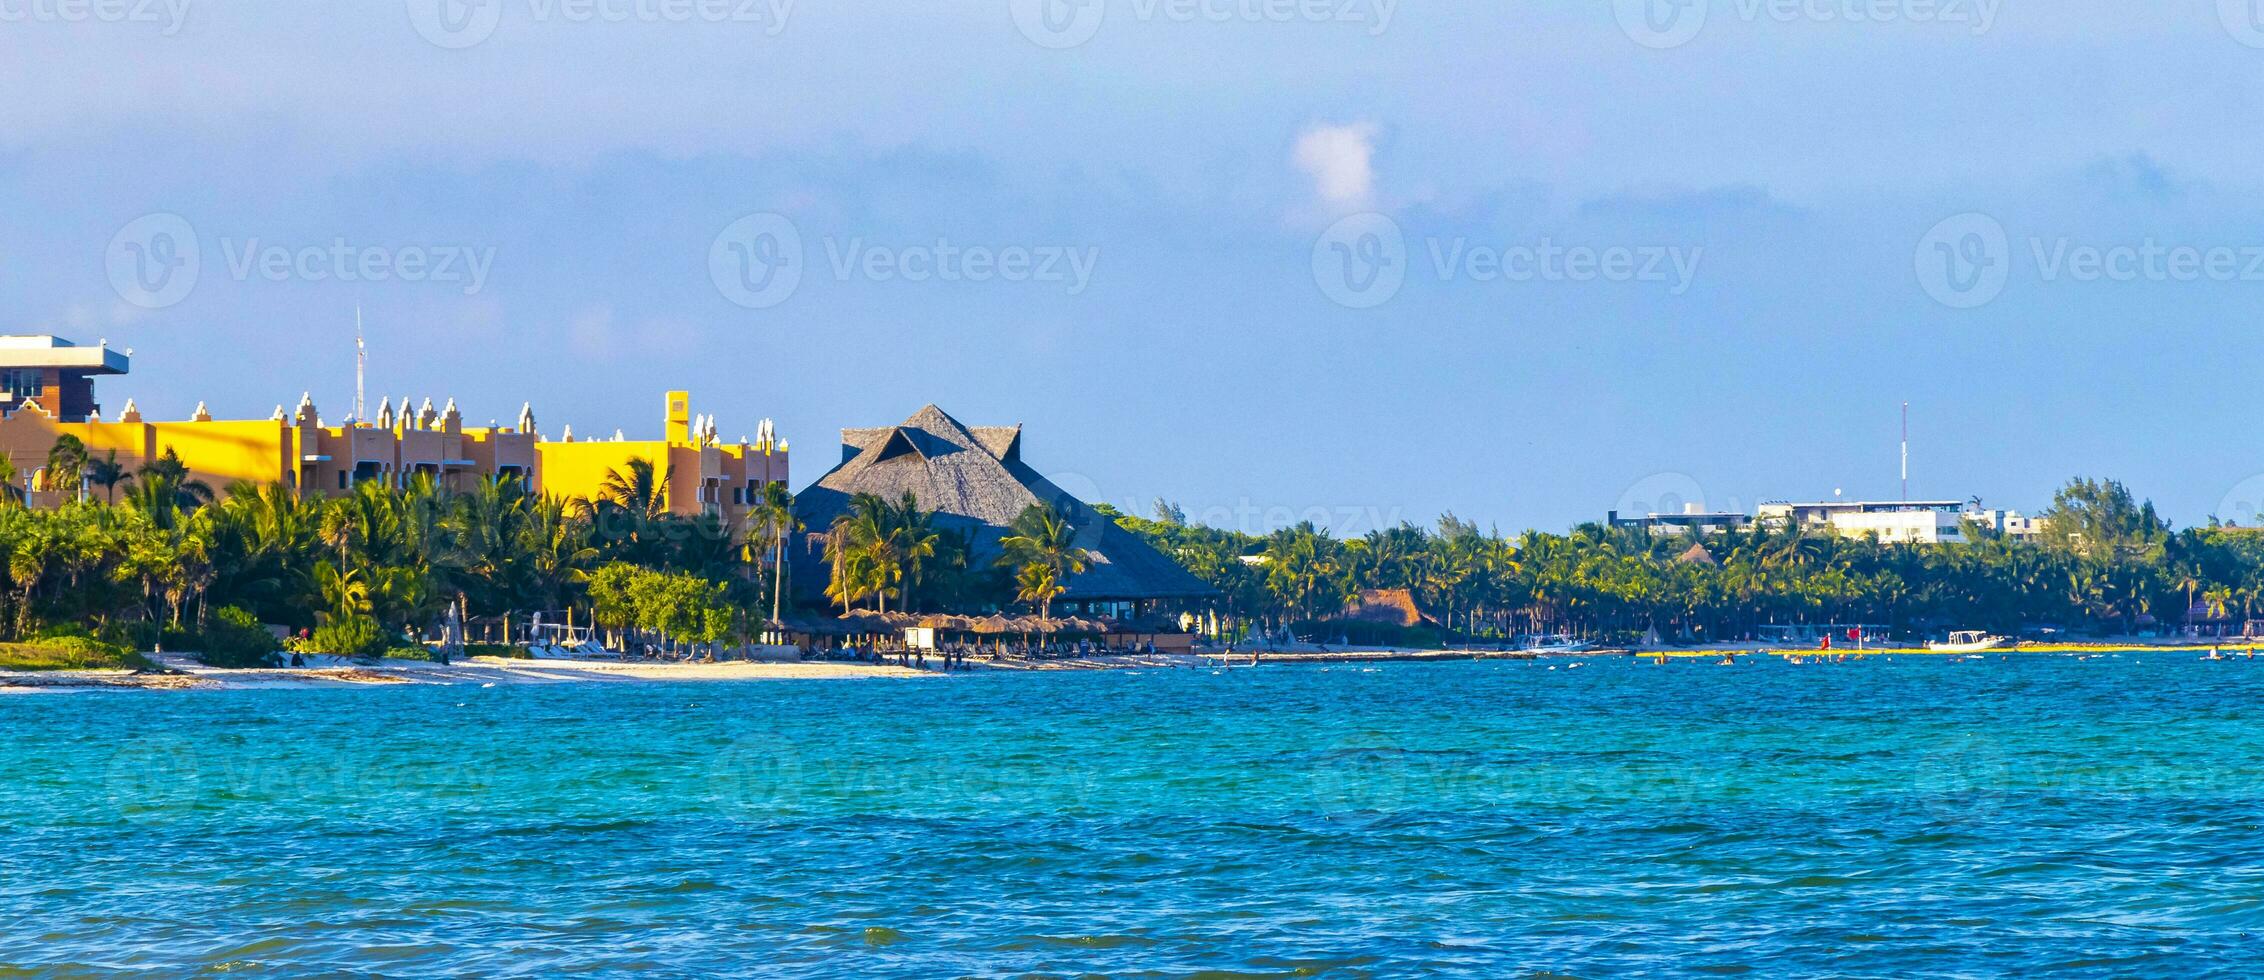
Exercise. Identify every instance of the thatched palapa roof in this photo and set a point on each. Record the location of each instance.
(974, 479)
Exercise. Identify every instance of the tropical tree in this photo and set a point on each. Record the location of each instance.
(66, 465)
(1041, 546)
(106, 472)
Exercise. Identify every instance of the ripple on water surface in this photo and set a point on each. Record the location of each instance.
(1910, 817)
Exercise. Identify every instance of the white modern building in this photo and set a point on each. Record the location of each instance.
(1897, 522)
(1693, 518)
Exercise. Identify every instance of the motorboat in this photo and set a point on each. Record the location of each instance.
(1551, 644)
(1969, 641)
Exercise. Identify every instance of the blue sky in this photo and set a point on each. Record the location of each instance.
(1633, 256)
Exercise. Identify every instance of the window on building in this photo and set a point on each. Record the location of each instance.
(21, 384)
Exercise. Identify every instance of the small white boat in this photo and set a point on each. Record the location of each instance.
(1969, 641)
(1554, 644)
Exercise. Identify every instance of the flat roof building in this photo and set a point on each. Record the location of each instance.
(297, 448)
(55, 374)
(1692, 519)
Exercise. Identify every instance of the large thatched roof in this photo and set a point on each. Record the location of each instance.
(974, 478)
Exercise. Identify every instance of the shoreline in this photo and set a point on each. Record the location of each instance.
(184, 674)
(181, 673)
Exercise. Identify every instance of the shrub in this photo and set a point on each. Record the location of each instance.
(235, 638)
(179, 638)
(60, 631)
(68, 653)
(139, 634)
(350, 636)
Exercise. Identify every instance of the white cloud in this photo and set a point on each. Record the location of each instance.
(1341, 162)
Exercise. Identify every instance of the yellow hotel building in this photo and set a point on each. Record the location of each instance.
(47, 391)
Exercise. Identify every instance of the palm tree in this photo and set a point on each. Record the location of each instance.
(915, 542)
(1043, 550)
(857, 546)
(66, 466)
(162, 488)
(771, 515)
(642, 491)
(1036, 582)
(106, 473)
(557, 550)
(11, 490)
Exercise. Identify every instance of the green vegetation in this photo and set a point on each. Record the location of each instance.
(2107, 564)
(235, 638)
(881, 551)
(69, 653)
(171, 562)
(1042, 553)
(663, 608)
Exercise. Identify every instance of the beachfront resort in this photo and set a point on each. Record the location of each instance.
(928, 536)
(934, 544)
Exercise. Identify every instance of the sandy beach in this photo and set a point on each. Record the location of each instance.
(183, 673)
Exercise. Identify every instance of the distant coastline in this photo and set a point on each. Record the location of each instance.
(176, 672)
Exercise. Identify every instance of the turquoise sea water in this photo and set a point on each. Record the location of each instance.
(1918, 817)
